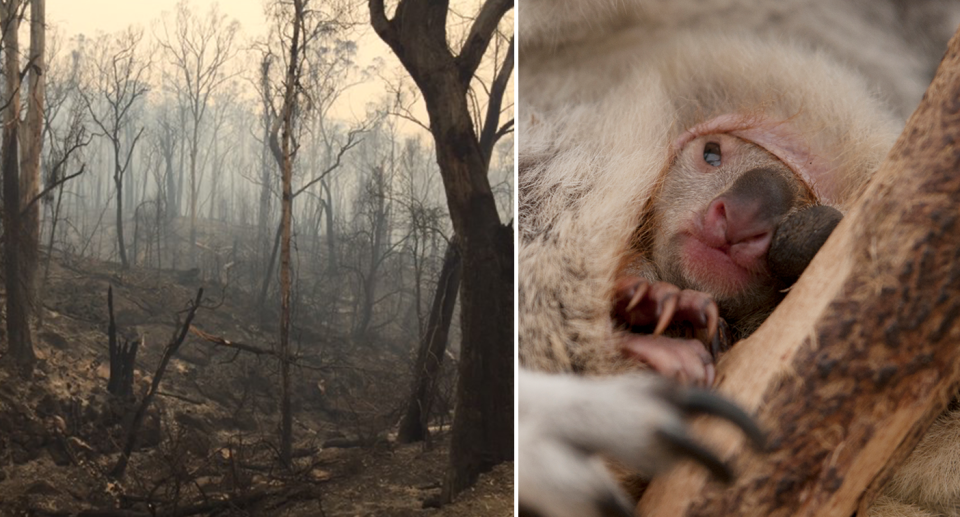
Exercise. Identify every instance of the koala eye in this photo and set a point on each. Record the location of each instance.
(711, 153)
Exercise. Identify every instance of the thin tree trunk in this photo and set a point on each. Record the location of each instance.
(193, 193)
(31, 144)
(118, 182)
(19, 339)
(433, 345)
(377, 234)
(266, 176)
(53, 231)
(285, 159)
(333, 262)
(268, 274)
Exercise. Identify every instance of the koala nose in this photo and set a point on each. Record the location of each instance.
(750, 209)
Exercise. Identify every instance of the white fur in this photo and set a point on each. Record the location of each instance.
(568, 420)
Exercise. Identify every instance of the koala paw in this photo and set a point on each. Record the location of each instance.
(650, 308)
(567, 422)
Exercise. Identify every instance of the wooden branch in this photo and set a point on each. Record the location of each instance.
(489, 134)
(382, 25)
(350, 144)
(50, 187)
(253, 349)
(481, 32)
(862, 355)
(220, 341)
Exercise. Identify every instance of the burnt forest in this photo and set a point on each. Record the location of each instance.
(257, 265)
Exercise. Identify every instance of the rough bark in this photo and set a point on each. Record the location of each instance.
(19, 338)
(123, 357)
(433, 346)
(266, 173)
(483, 423)
(31, 144)
(333, 262)
(862, 355)
(285, 159)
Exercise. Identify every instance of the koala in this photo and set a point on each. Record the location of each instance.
(679, 164)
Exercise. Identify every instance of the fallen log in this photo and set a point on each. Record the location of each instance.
(862, 355)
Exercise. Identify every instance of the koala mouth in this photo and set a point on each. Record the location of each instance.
(721, 270)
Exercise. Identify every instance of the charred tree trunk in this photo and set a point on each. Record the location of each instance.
(121, 245)
(283, 152)
(266, 177)
(268, 275)
(121, 166)
(862, 355)
(483, 423)
(168, 352)
(194, 144)
(433, 345)
(123, 357)
(19, 338)
(333, 261)
(31, 144)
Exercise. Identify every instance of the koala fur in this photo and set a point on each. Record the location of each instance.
(606, 90)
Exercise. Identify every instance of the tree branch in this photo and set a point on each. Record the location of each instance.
(489, 133)
(481, 32)
(346, 147)
(221, 341)
(50, 187)
(383, 26)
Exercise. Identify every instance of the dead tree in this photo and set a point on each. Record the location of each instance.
(16, 272)
(862, 355)
(199, 50)
(267, 181)
(123, 357)
(131, 439)
(417, 34)
(63, 147)
(283, 151)
(433, 345)
(31, 145)
(118, 81)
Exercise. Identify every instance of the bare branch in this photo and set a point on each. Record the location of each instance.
(383, 26)
(346, 147)
(481, 32)
(50, 188)
(226, 343)
(489, 133)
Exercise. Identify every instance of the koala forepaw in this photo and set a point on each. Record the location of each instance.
(567, 422)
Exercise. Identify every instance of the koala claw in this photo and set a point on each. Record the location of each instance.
(568, 424)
